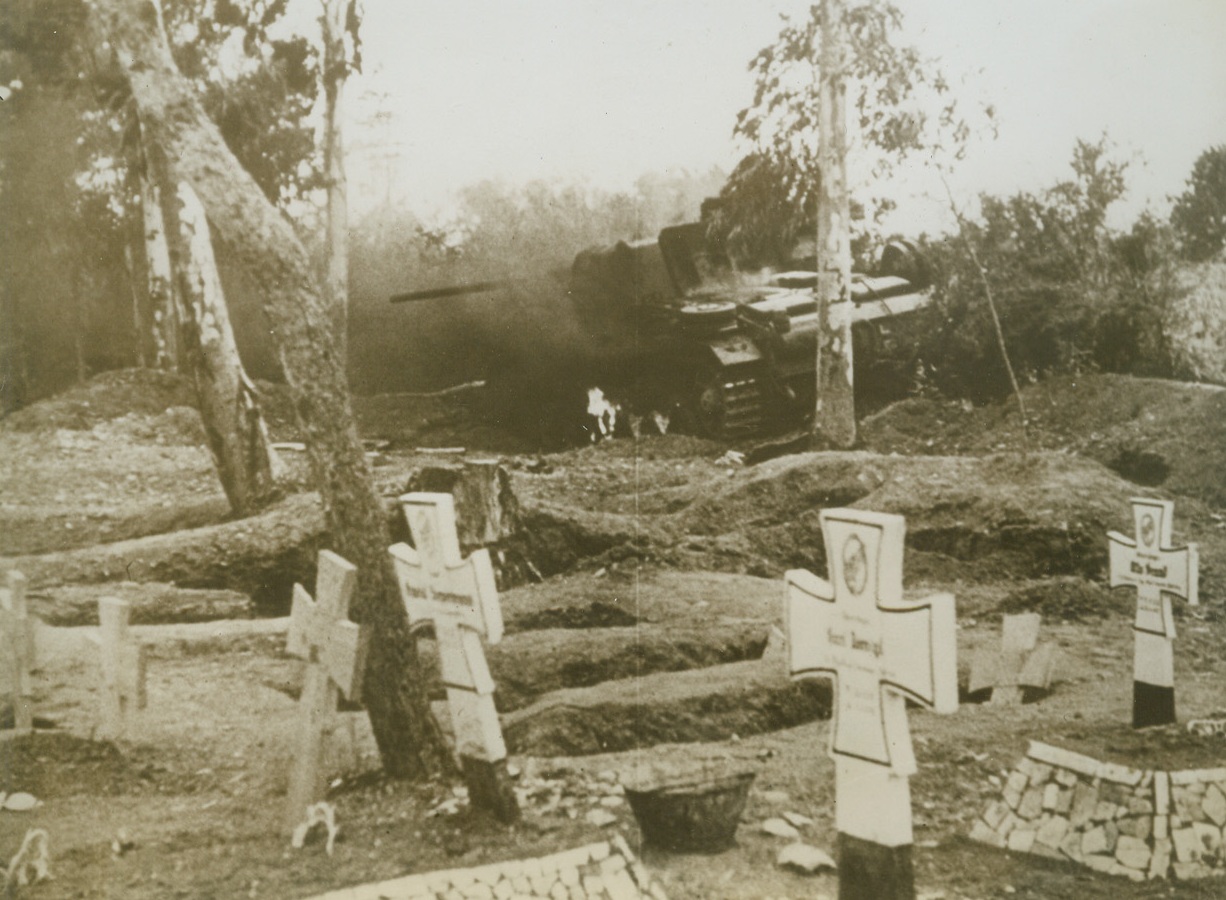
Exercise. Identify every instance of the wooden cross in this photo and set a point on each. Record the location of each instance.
(1019, 662)
(124, 664)
(881, 652)
(335, 652)
(1158, 571)
(17, 649)
(459, 598)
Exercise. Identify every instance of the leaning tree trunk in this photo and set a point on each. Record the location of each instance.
(229, 407)
(335, 69)
(835, 420)
(163, 307)
(263, 243)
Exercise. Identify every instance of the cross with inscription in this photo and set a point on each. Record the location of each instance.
(1158, 571)
(335, 652)
(123, 668)
(459, 598)
(881, 651)
(17, 649)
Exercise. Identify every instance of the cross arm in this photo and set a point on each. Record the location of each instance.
(808, 602)
(344, 656)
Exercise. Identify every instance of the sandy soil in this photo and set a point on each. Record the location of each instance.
(661, 562)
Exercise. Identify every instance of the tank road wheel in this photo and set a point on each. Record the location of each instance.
(707, 317)
(725, 404)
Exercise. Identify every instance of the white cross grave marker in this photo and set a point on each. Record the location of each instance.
(17, 649)
(460, 598)
(1158, 571)
(880, 652)
(123, 663)
(1019, 662)
(335, 651)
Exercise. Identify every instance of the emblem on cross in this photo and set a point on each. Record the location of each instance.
(880, 651)
(1158, 571)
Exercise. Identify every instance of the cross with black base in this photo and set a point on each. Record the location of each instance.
(880, 652)
(1158, 571)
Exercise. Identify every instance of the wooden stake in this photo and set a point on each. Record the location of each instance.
(17, 646)
(335, 652)
(123, 669)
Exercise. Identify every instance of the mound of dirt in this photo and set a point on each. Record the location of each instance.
(107, 396)
(1152, 432)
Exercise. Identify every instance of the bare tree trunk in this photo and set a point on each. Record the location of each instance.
(134, 265)
(229, 407)
(81, 328)
(835, 419)
(335, 66)
(163, 305)
(256, 236)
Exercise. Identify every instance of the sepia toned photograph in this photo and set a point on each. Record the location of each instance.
(726, 450)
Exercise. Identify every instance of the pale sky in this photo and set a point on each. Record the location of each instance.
(601, 92)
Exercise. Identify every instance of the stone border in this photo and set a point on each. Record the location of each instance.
(605, 871)
(1138, 823)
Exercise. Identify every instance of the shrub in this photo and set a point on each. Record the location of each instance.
(1071, 294)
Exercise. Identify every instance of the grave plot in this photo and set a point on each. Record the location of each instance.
(644, 642)
(1141, 824)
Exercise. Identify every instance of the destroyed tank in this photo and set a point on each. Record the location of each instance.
(670, 331)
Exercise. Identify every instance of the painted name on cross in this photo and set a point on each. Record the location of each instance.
(855, 642)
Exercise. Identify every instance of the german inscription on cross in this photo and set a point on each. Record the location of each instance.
(879, 649)
(460, 598)
(1155, 568)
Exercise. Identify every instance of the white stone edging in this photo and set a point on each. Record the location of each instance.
(1136, 823)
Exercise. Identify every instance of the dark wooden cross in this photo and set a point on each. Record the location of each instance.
(459, 598)
(17, 649)
(1019, 662)
(335, 652)
(880, 651)
(1158, 572)
(124, 665)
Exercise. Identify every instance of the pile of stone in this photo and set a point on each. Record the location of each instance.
(1138, 823)
(605, 871)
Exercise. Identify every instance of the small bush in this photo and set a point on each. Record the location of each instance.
(1071, 294)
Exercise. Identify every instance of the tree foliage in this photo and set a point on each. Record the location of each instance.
(1199, 213)
(771, 197)
(257, 82)
(67, 213)
(1073, 294)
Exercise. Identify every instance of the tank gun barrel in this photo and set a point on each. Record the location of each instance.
(456, 290)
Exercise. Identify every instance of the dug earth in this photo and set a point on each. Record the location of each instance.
(641, 585)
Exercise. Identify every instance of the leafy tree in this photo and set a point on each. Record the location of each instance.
(1073, 295)
(1199, 214)
(263, 244)
(770, 200)
(257, 82)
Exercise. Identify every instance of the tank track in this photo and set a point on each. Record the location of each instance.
(732, 402)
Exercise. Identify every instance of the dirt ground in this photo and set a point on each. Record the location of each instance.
(640, 599)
